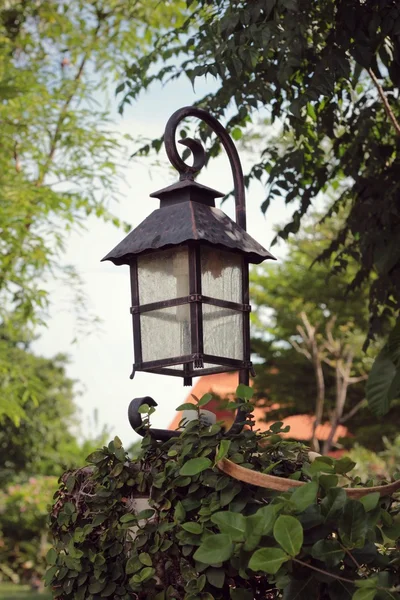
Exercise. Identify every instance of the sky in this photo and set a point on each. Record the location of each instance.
(101, 359)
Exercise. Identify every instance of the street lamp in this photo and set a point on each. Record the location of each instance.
(189, 265)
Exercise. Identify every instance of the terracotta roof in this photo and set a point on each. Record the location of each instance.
(224, 385)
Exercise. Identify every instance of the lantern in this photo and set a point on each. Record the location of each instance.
(189, 267)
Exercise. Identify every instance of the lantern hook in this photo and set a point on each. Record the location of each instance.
(199, 159)
(163, 435)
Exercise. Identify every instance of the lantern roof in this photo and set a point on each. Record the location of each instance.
(187, 214)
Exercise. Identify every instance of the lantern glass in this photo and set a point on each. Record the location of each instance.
(221, 278)
(221, 274)
(163, 275)
(223, 332)
(165, 334)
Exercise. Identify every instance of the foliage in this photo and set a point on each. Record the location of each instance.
(328, 73)
(383, 386)
(382, 465)
(308, 333)
(43, 441)
(208, 536)
(60, 158)
(20, 592)
(23, 528)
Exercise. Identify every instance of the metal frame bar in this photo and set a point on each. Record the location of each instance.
(193, 298)
(188, 358)
(196, 311)
(137, 338)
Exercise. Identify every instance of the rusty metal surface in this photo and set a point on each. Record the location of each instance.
(186, 222)
(187, 171)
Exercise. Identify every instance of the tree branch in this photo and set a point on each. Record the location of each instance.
(63, 112)
(385, 101)
(353, 411)
(358, 379)
(301, 350)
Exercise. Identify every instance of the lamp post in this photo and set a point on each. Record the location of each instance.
(189, 270)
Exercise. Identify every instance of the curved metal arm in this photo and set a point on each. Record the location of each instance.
(187, 171)
(135, 419)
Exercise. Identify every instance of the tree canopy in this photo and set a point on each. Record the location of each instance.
(45, 439)
(327, 74)
(60, 155)
(308, 335)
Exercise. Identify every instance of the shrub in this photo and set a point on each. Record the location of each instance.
(380, 465)
(207, 536)
(24, 529)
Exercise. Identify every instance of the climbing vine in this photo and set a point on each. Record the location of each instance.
(172, 525)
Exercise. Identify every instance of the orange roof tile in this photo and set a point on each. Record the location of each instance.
(224, 385)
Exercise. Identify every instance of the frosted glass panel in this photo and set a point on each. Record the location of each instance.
(222, 332)
(221, 274)
(165, 333)
(163, 275)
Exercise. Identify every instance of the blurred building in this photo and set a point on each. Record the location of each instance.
(223, 386)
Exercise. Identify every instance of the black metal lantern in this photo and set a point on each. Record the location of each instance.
(189, 271)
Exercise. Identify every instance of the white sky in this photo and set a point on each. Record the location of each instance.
(102, 361)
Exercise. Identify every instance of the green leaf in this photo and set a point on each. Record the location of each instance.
(369, 583)
(180, 512)
(344, 465)
(236, 133)
(215, 549)
(223, 450)
(145, 559)
(96, 587)
(216, 577)
(328, 551)
(268, 560)
(394, 389)
(109, 589)
(370, 501)
(117, 470)
(304, 496)
(322, 464)
(186, 406)
(364, 594)
(288, 532)
(379, 382)
(393, 344)
(193, 527)
(233, 524)
(144, 574)
(128, 518)
(353, 524)
(259, 524)
(117, 442)
(205, 399)
(195, 466)
(244, 392)
(147, 513)
(51, 557)
(133, 564)
(333, 503)
(49, 575)
(96, 457)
